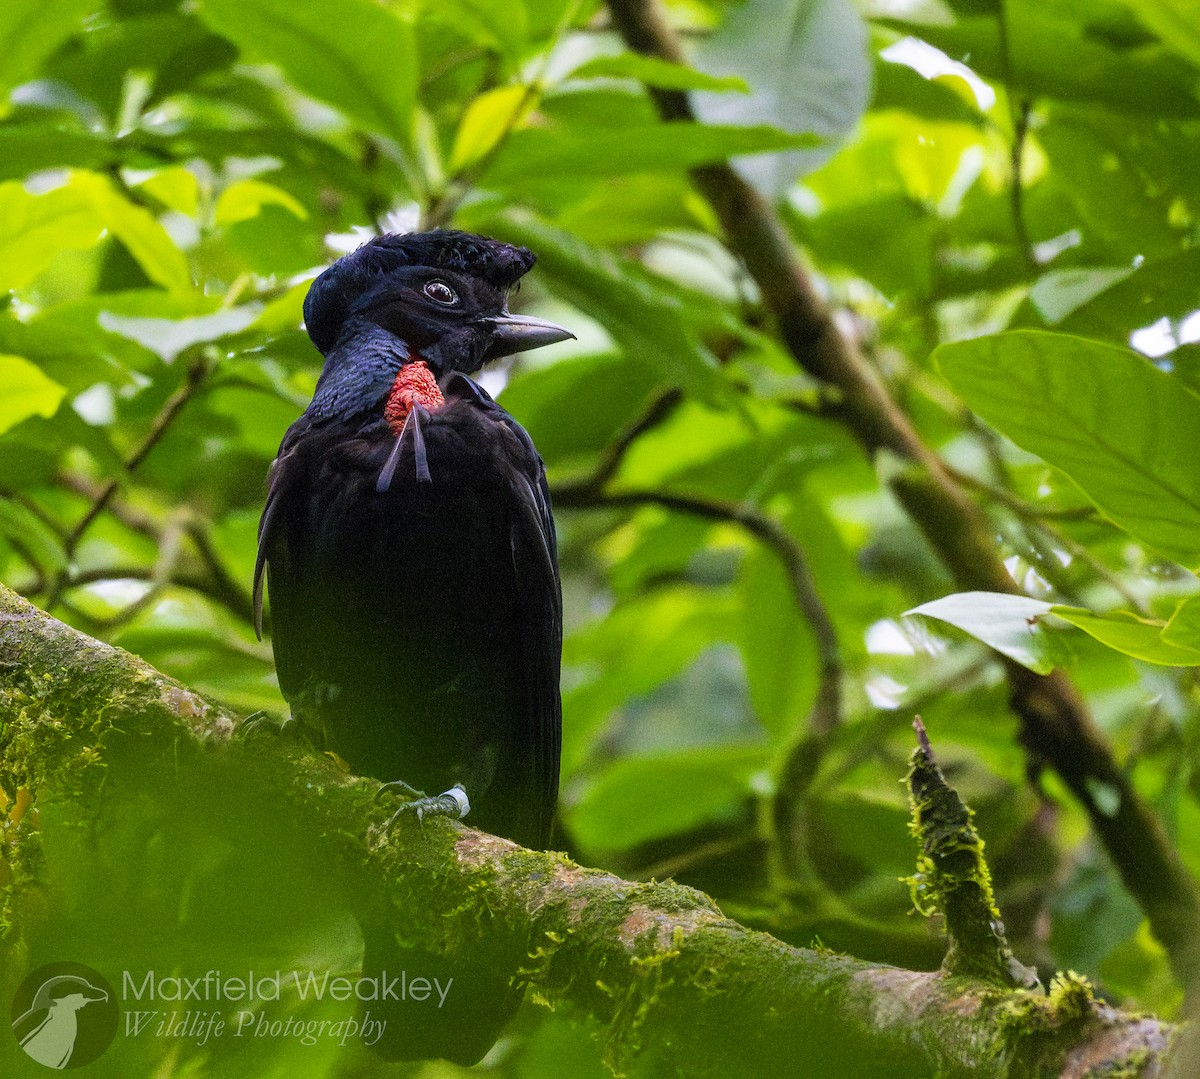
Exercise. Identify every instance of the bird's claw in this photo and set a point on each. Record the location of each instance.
(452, 803)
(400, 787)
(260, 721)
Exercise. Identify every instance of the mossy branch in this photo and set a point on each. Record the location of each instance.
(953, 877)
(118, 757)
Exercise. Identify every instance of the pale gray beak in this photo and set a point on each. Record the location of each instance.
(520, 333)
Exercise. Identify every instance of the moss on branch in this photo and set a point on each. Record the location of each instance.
(123, 764)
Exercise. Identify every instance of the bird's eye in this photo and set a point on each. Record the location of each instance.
(440, 292)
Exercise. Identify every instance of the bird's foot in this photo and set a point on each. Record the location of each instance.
(398, 786)
(453, 803)
(257, 723)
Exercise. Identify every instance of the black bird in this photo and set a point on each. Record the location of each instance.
(409, 551)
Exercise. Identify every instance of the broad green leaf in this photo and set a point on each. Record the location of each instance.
(144, 238)
(25, 392)
(32, 147)
(245, 199)
(897, 155)
(499, 26)
(359, 57)
(643, 316)
(1141, 638)
(1058, 293)
(488, 119)
(69, 343)
(35, 228)
(899, 86)
(1054, 50)
(808, 66)
(1123, 430)
(615, 386)
(1177, 22)
(176, 188)
(1008, 623)
(169, 337)
(776, 645)
(641, 798)
(1159, 288)
(43, 544)
(652, 71)
(889, 241)
(1183, 630)
(564, 151)
(284, 313)
(643, 643)
(1138, 211)
(30, 30)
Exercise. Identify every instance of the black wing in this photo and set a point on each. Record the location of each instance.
(535, 563)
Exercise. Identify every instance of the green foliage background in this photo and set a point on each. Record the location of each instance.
(994, 237)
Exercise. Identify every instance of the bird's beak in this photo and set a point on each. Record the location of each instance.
(519, 333)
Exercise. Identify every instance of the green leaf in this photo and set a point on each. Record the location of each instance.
(643, 643)
(488, 119)
(652, 71)
(359, 57)
(245, 199)
(1056, 50)
(1060, 292)
(543, 399)
(25, 392)
(138, 230)
(43, 544)
(1183, 630)
(35, 228)
(565, 151)
(168, 337)
(1158, 288)
(1008, 623)
(1177, 22)
(30, 148)
(776, 644)
(808, 66)
(1123, 430)
(642, 798)
(1140, 209)
(30, 30)
(176, 188)
(1125, 632)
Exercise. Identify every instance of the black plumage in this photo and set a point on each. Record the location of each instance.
(409, 552)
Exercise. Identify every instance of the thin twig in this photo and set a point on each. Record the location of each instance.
(614, 453)
(1020, 108)
(196, 374)
(1037, 521)
(1017, 185)
(1023, 509)
(758, 524)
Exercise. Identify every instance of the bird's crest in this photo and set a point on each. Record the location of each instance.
(330, 298)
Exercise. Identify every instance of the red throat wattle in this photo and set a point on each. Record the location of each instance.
(414, 385)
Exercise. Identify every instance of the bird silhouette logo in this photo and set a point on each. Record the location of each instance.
(64, 1015)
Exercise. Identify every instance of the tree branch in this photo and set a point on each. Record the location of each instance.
(769, 532)
(196, 374)
(121, 752)
(1056, 725)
